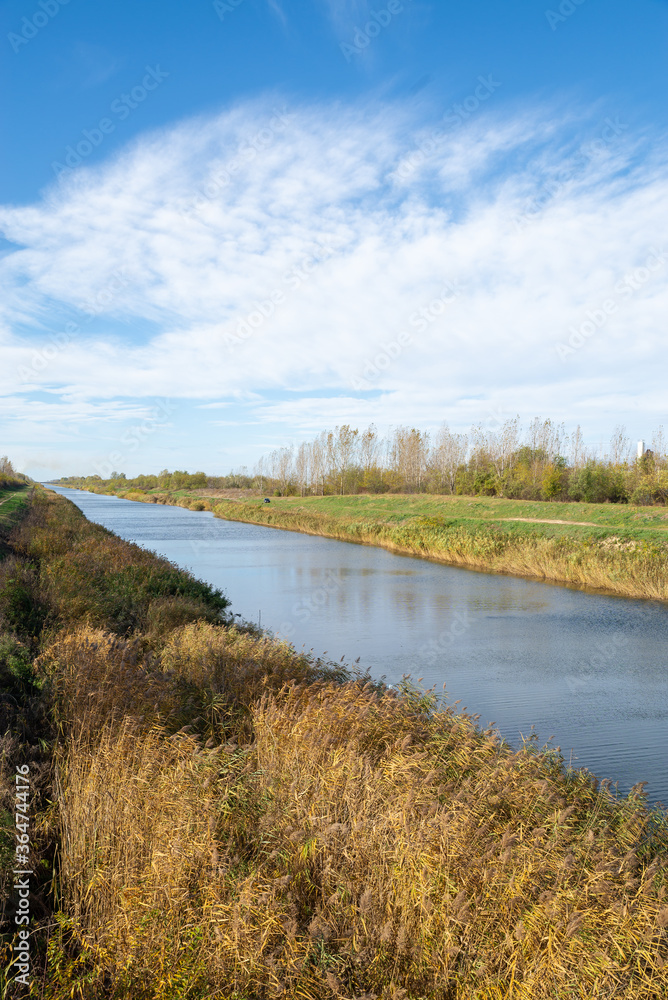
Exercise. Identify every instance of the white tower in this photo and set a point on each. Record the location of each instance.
(641, 449)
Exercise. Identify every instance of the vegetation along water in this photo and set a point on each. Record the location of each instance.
(218, 816)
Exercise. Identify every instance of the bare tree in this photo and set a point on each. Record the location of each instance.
(303, 466)
(659, 447)
(578, 455)
(546, 440)
(259, 471)
(344, 442)
(284, 466)
(319, 462)
(502, 446)
(448, 454)
(369, 446)
(620, 446)
(6, 467)
(409, 454)
(481, 445)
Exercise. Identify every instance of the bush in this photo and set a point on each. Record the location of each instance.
(21, 610)
(596, 483)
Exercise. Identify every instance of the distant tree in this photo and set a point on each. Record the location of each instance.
(578, 451)
(620, 446)
(408, 457)
(302, 467)
(319, 463)
(342, 450)
(659, 448)
(447, 456)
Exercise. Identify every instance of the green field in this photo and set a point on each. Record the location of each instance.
(625, 521)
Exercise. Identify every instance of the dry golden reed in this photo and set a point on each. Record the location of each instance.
(346, 842)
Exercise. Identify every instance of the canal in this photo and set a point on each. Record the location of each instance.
(588, 670)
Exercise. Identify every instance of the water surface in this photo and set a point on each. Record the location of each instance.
(589, 670)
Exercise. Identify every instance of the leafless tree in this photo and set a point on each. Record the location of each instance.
(449, 452)
(303, 466)
(369, 446)
(620, 446)
(344, 443)
(319, 462)
(409, 454)
(578, 454)
(546, 440)
(659, 447)
(504, 444)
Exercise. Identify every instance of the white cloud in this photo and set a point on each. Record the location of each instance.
(195, 231)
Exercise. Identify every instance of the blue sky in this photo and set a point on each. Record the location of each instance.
(227, 226)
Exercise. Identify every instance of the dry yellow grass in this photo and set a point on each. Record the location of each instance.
(345, 842)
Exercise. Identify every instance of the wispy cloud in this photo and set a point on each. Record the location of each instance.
(277, 10)
(204, 247)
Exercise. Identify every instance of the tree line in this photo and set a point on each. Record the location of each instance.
(9, 477)
(538, 462)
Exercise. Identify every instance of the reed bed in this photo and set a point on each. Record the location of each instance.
(234, 820)
(358, 844)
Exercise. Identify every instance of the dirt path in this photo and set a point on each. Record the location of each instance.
(536, 520)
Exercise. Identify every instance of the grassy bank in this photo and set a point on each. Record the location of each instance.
(217, 816)
(14, 500)
(617, 548)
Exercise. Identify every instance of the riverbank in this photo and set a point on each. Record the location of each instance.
(217, 816)
(612, 548)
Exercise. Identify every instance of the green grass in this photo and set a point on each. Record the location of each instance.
(13, 505)
(617, 550)
(634, 522)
